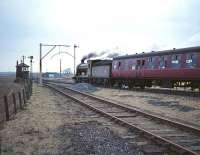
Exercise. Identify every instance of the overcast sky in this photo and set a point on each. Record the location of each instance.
(125, 26)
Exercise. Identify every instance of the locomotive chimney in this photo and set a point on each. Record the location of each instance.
(82, 61)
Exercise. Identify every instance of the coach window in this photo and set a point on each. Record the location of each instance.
(138, 62)
(163, 62)
(115, 65)
(151, 62)
(150, 59)
(119, 64)
(191, 60)
(126, 65)
(143, 62)
(175, 61)
(133, 67)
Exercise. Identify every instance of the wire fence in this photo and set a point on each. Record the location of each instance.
(13, 102)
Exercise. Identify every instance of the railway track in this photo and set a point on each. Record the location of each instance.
(167, 91)
(174, 136)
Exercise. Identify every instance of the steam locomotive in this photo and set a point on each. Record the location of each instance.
(168, 68)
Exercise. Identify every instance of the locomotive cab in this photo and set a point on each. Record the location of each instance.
(82, 73)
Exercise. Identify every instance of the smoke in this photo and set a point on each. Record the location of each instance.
(104, 54)
(90, 55)
(112, 55)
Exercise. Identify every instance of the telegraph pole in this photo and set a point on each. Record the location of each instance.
(60, 63)
(23, 58)
(60, 68)
(40, 63)
(31, 66)
(75, 46)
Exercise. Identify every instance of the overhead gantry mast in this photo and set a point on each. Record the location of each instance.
(53, 47)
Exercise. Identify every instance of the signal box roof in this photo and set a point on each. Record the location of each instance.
(23, 65)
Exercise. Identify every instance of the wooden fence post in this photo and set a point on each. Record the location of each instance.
(20, 100)
(29, 89)
(24, 97)
(6, 107)
(14, 102)
(26, 93)
(31, 86)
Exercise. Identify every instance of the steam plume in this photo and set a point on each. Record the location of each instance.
(112, 55)
(103, 53)
(90, 55)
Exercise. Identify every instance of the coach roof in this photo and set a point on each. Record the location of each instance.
(160, 53)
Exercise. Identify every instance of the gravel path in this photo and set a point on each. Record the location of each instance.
(84, 87)
(92, 138)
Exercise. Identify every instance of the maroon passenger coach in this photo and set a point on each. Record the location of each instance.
(169, 68)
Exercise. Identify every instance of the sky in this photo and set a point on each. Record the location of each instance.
(123, 26)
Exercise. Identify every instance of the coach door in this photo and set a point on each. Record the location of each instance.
(139, 67)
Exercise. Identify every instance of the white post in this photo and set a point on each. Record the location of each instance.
(75, 46)
(60, 63)
(74, 59)
(31, 67)
(40, 63)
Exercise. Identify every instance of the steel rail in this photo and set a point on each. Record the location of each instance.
(156, 138)
(126, 107)
(195, 94)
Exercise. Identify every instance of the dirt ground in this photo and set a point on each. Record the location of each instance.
(54, 125)
(7, 85)
(184, 109)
